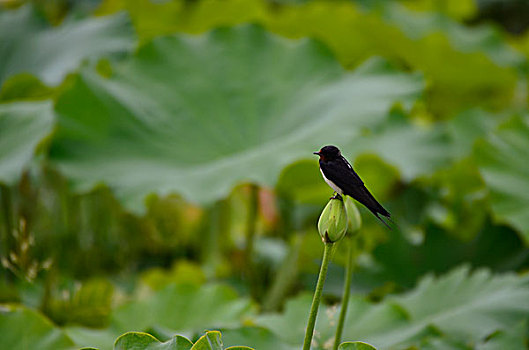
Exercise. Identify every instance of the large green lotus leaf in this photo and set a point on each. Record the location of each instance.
(196, 115)
(463, 307)
(503, 160)
(22, 328)
(185, 308)
(28, 45)
(466, 306)
(452, 57)
(23, 126)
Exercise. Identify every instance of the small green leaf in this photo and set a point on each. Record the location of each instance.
(356, 345)
(209, 341)
(135, 341)
(145, 341)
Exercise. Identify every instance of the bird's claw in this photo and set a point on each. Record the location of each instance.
(337, 196)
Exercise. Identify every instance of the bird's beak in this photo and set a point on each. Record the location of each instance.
(318, 153)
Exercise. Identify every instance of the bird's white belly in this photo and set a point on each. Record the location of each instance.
(332, 184)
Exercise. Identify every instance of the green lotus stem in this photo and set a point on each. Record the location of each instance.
(212, 243)
(251, 223)
(6, 204)
(346, 292)
(286, 275)
(317, 295)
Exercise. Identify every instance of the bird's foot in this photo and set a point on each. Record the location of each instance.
(337, 196)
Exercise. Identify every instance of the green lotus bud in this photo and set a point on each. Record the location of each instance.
(333, 221)
(354, 220)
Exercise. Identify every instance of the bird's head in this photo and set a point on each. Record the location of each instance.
(328, 152)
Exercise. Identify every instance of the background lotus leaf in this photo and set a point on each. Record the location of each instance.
(504, 162)
(461, 306)
(180, 307)
(29, 45)
(451, 56)
(193, 114)
(24, 328)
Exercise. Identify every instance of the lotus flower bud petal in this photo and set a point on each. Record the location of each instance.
(332, 224)
(354, 220)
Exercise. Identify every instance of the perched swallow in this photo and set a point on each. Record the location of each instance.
(339, 174)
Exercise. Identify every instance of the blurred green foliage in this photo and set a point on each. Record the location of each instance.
(156, 172)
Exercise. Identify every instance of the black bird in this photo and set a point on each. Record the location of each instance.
(339, 174)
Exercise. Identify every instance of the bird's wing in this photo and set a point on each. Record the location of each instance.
(342, 174)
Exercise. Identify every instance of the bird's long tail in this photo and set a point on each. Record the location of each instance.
(375, 207)
(384, 222)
